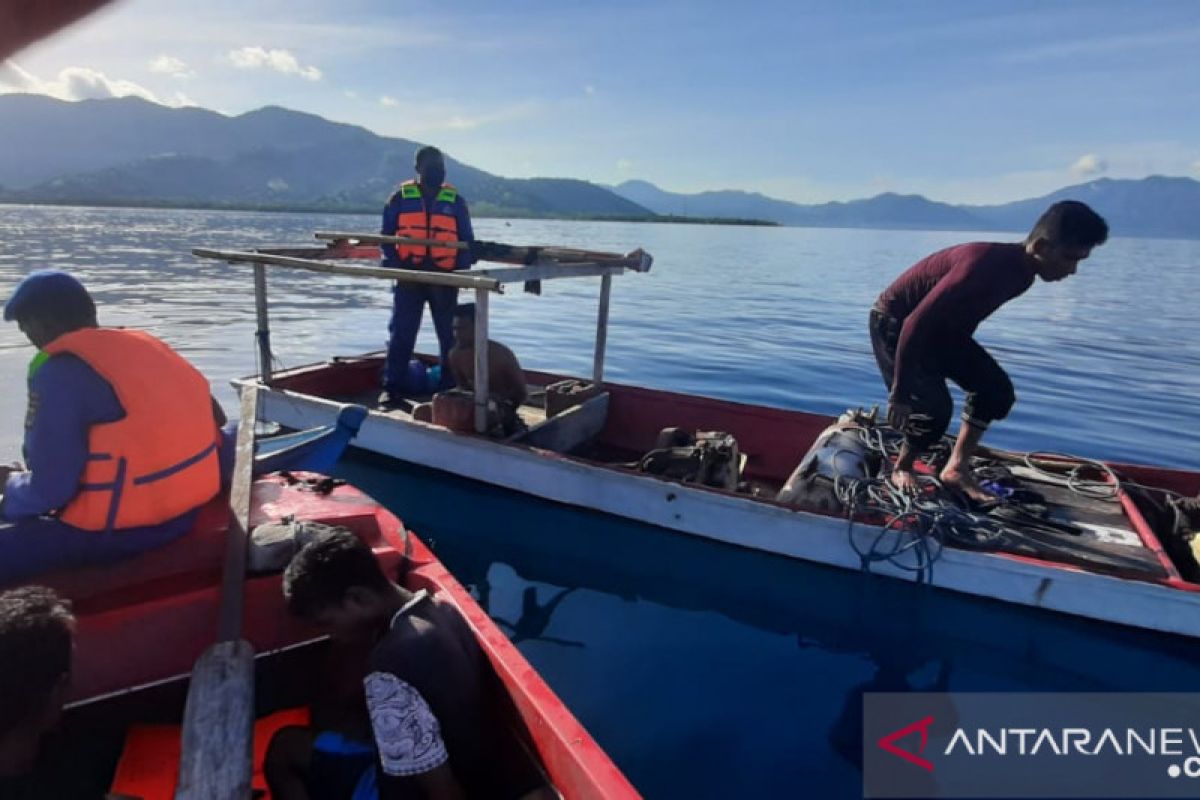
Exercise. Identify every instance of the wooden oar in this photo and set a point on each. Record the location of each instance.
(218, 721)
(494, 251)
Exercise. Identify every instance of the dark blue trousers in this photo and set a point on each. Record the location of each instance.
(408, 304)
(42, 544)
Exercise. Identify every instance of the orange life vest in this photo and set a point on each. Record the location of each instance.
(160, 460)
(418, 222)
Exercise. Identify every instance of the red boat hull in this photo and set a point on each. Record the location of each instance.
(148, 619)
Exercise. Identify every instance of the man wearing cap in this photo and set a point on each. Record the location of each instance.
(121, 438)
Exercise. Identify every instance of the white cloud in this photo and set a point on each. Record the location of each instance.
(388, 101)
(624, 166)
(278, 60)
(80, 83)
(353, 95)
(1088, 165)
(589, 89)
(169, 65)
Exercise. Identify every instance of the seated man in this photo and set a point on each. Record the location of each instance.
(506, 381)
(121, 438)
(36, 634)
(433, 733)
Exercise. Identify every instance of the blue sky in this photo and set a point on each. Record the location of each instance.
(966, 101)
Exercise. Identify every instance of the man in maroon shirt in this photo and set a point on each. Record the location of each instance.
(922, 330)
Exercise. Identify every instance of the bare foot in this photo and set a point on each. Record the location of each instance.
(905, 480)
(965, 482)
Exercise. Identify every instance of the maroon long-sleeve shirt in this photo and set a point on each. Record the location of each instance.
(942, 298)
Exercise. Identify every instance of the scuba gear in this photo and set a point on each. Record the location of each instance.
(838, 454)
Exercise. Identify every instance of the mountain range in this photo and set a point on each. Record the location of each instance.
(1156, 206)
(127, 151)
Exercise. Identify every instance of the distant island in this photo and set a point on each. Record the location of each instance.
(130, 152)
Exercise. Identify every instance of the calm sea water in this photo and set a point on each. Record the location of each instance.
(706, 671)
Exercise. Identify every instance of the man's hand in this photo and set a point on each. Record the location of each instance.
(5, 471)
(898, 413)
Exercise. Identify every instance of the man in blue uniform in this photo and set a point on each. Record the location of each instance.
(427, 208)
(113, 468)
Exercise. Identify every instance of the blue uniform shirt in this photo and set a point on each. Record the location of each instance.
(66, 397)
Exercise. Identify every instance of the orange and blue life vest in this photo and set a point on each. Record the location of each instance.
(160, 460)
(443, 220)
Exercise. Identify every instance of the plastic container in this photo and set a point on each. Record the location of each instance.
(417, 378)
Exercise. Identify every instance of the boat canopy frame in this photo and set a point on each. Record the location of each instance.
(538, 264)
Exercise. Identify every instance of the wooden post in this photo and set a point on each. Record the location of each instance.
(601, 330)
(263, 333)
(481, 361)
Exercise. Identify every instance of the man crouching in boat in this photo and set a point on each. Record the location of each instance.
(922, 330)
(121, 438)
(506, 380)
(432, 731)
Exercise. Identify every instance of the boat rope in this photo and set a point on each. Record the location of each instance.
(914, 529)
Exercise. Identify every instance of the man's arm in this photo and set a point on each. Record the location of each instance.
(388, 227)
(466, 233)
(510, 375)
(66, 398)
(409, 740)
(462, 378)
(953, 305)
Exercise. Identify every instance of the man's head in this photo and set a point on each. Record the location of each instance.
(336, 583)
(464, 325)
(36, 641)
(431, 167)
(47, 304)
(1063, 236)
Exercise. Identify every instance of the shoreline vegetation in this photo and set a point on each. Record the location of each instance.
(478, 211)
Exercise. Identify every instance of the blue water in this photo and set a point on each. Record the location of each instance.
(705, 670)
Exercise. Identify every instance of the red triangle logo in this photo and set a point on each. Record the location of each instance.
(888, 743)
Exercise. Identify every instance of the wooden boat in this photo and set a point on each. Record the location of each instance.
(142, 624)
(1092, 557)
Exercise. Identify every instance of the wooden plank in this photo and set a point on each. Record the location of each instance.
(459, 280)
(505, 253)
(377, 238)
(481, 361)
(237, 541)
(218, 726)
(551, 270)
(601, 330)
(569, 429)
(216, 760)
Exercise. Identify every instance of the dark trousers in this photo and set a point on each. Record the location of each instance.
(43, 544)
(408, 304)
(990, 394)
